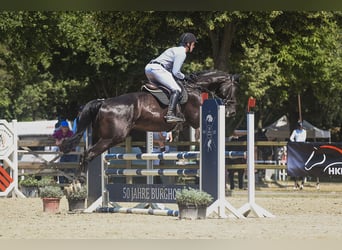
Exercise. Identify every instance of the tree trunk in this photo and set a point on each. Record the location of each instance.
(221, 43)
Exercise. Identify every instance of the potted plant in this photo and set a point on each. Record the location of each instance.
(46, 181)
(192, 203)
(29, 186)
(51, 196)
(203, 201)
(76, 195)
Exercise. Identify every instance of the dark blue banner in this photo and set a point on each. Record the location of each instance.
(209, 154)
(314, 159)
(150, 193)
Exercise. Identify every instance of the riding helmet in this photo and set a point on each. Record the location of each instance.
(187, 38)
(64, 124)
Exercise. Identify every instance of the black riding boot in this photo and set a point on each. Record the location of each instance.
(171, 116)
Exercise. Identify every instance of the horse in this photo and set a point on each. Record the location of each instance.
(112, 119)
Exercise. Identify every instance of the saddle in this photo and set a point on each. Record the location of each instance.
(162, 93)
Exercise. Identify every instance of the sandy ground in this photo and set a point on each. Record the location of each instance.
(305, 214)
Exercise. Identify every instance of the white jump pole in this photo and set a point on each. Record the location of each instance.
(251, 205)
(9, 159)
(149, 149)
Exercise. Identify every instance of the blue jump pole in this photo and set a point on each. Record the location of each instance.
(170, 156)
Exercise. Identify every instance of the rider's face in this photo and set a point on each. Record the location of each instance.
(191, 47)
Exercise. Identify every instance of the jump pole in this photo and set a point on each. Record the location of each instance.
(251, 206)
(9, 156)
(212, 164)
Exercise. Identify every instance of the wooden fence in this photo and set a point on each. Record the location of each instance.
(42, 166)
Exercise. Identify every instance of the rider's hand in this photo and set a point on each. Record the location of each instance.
(190, 78)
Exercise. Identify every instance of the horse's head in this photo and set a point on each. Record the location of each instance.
(228, 91)
(222, 85)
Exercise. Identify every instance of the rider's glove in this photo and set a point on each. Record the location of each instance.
(190, 78)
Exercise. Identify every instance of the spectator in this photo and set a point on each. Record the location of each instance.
(60, 134)
(160, 138)
(298, 135)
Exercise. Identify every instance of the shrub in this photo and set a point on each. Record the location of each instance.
(47, 181)
(51, 192)
(29, 181)
(75, 191)
(193, 196)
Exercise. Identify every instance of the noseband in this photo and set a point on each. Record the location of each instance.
(228, 100)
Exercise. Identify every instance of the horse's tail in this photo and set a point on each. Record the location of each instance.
(86, 117)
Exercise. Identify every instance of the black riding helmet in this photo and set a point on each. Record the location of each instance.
(187, 38)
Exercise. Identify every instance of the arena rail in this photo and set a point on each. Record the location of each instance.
(39, 167)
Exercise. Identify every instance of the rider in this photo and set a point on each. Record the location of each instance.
(166, 69)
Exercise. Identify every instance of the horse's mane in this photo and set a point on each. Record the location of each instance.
(212, 79)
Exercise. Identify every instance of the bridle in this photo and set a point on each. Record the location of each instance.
(227, 101)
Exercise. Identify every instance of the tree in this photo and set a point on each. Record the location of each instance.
(309, 57)
(51, 57)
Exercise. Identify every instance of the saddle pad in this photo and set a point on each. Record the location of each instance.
(162, 97)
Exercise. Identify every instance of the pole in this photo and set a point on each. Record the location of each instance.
(251, 206)
(299, 108)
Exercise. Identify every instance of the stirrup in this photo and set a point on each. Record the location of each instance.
(173, 118)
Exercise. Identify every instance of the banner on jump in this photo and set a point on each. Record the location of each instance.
(314, 159)
(149, 193)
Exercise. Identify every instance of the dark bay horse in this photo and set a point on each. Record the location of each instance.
(112, 119)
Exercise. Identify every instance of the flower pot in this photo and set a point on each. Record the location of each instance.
(189, 211)
(51, 205)
(202, 212)
(76, 205)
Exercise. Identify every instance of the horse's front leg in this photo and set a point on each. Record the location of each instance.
(84, 162)
(83, 166)
(101, 146)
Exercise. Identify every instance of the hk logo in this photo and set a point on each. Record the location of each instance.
(328, 157)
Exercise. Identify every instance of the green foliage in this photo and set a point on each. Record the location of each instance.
(76, 192)
(51, 192)
(47, 181)
(29, 181)
(193, 196)
(48, 188)
(52, 62)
